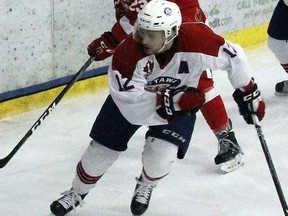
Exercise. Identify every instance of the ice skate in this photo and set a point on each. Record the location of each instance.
(230, 154)
(141, 197)
(232, 164)
(281, 88)
(69, 201)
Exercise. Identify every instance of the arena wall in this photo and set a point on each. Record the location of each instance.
(43, 44)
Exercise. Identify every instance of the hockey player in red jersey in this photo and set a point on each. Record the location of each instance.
(278, 41)
(153, 80)
(230, 154)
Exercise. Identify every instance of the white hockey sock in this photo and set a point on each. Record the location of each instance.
(94, 163)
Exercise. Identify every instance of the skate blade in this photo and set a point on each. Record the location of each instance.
(232, 165)
(281, 94)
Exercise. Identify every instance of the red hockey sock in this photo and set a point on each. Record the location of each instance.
(215, 114)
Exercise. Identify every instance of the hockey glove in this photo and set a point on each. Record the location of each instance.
(250, 102)
(102, 47)
(184, 99)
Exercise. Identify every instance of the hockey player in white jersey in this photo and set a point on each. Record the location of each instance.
(230, 155)
(278, 41)
(153, 81)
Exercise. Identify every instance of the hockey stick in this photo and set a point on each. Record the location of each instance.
(50, 108)
(270, 164)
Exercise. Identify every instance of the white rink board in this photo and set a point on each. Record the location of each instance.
(46, 40)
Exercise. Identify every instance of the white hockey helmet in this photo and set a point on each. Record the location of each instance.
(160, 15)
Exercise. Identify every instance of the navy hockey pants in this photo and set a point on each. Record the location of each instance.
(112, 130)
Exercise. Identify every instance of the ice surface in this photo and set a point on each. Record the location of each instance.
(45, 164)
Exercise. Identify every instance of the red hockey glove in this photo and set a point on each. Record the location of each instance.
(102, 47)
(250, 102)
(184, 99)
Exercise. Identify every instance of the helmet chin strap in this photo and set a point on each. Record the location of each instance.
(162, 48)
(167, 41)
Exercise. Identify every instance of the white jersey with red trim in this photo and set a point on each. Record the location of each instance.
(134, 76)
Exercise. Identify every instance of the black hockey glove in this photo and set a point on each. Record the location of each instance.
(184, 99)
(250, 102)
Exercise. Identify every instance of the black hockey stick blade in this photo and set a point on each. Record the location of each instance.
(50, 108)
(270, 165)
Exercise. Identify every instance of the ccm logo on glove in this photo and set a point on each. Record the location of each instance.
(102, 47)
(250, 102)
(252, 96)
(181, 100)
(166, 99)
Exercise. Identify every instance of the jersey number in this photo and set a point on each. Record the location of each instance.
(125, 86)
(231, 52)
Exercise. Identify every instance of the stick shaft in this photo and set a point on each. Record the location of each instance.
(271, 165)
(49, 109)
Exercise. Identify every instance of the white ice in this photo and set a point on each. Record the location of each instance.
(45, 165)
